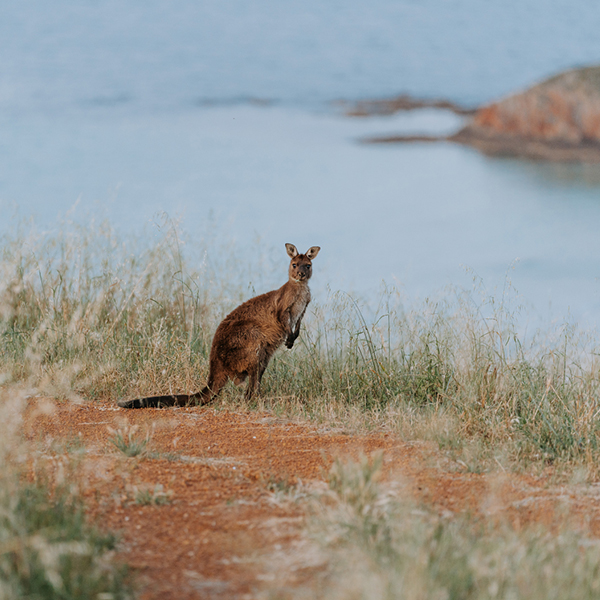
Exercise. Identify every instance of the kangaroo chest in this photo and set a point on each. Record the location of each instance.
(299, 306)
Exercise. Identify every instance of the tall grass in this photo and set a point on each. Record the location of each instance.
(463, 360)
(47, 550)
(82, 310)
(90, 314)
(381, 546)
(87, 314)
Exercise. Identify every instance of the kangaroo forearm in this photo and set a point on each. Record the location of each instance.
(298, 323)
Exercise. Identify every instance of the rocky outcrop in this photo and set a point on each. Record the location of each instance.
(558, 119)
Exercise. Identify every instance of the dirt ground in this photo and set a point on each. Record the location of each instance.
(233, 522)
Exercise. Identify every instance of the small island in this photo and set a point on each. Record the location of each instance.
(555, 120)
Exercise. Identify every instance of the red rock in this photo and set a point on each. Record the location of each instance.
(558, 119)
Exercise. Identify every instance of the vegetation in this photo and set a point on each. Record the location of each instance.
(152, 496)
(84, 315)
(47, 550)
(88, 315)
(126, 442)
(384, 547)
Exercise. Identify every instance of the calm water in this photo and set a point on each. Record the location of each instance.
(129, 109)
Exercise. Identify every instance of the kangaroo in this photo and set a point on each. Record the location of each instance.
(247, 338)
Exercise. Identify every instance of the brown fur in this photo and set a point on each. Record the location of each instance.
(247, 337)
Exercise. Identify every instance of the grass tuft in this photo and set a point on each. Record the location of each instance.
(125, 441)
(155, 496)
(48, 551)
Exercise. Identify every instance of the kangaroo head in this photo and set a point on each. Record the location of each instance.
(301, 264)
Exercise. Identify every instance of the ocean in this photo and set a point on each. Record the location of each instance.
(226, 115)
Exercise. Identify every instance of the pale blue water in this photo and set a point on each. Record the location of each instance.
(128, 109)
(156, 54)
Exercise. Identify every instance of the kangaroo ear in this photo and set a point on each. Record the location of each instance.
(291, 250)
(312, 252)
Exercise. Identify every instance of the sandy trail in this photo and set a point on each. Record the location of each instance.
(233, 526)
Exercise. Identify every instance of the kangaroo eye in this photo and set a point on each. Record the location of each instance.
(294, 265)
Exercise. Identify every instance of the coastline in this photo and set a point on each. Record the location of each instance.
(504, 146)
(557, 120)
(403, 102)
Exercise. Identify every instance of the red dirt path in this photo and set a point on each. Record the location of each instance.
(226, 532)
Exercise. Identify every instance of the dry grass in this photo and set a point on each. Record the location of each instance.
(87, 315)
(381, 546)
(47, 550)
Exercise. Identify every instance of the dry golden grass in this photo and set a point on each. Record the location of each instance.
(86, 315)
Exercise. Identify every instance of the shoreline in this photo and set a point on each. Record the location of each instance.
(523, 132)
(504, 146)
(404, 102)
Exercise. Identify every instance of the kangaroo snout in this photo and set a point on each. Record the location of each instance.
(303, 273)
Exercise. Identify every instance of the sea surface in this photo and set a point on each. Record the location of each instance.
(226, 114)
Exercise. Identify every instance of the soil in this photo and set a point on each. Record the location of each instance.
(236, 486)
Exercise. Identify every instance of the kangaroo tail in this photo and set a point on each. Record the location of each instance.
(197, 399)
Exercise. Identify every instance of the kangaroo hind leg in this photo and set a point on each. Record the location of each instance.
(253, 385)
(256, 374)
(262, 366)
(217, 379)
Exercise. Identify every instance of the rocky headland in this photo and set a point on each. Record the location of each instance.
(555, 120)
